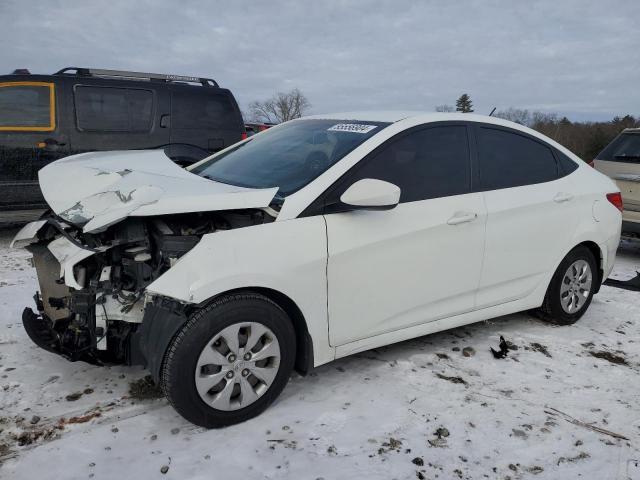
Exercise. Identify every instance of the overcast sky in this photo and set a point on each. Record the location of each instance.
(575, 57)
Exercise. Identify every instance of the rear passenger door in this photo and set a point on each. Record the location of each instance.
(116, 118)
(204, 117)
(421, 261)
(531, 213)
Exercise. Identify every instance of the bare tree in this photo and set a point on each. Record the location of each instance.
(516, 115)
(281, 107)
(445, 108)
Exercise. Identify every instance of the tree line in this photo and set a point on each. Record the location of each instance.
(585, 139)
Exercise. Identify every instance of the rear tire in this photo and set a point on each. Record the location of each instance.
(571, 288)
(230, 360)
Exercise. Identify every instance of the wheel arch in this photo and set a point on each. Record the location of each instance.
(304, 345)
(595, 249)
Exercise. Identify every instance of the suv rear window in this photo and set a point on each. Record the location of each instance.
(624, 148)
(107, 109)
(27, 106)
(191, 111)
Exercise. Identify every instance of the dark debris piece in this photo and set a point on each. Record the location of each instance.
(504, 349)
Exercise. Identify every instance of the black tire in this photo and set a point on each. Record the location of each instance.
(551, 309)
(177, 375)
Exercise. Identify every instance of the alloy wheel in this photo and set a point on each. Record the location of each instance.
(237, 366)
(576, 286)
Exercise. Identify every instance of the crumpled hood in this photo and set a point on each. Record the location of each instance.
(98, 189)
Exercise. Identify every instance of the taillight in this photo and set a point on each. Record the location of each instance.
(615, 199)
(243, 136)
(592, 164)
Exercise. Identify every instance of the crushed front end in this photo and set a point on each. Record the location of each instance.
(92, 300)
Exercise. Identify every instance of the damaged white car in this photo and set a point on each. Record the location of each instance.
(316, 239)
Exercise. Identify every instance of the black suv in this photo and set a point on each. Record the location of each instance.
(46, 117)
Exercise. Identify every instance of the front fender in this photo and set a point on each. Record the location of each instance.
(289, 257)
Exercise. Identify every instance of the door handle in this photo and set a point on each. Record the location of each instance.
(562, 197)
(459, 218)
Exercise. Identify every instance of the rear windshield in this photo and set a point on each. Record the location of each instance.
(289, 156)
(625, 148)
(26, 106)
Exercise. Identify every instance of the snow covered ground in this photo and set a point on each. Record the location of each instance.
(417, 409)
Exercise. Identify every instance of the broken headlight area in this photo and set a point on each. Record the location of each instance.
(92, 286)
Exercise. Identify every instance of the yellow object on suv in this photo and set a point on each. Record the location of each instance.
(620, 160)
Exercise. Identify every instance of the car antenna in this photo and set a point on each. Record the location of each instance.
(491, 114)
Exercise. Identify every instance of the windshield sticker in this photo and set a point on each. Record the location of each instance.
(351, 128)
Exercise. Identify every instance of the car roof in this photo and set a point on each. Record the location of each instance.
(393, 116)
(415, 118)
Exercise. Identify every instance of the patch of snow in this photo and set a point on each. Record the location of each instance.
(417, 408)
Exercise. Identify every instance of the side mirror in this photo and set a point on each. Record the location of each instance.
(371, 194)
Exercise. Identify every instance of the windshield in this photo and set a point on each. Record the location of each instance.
(625, 147)
(288, 156)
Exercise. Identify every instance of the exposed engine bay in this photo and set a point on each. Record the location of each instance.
(92, 285)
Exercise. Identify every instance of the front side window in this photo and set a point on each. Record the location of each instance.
(428, 163)
(288, 156)
(106, 109)
(27, 106)
(625, 148)
(508, 159)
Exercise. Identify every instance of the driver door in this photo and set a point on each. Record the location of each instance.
(419, 262)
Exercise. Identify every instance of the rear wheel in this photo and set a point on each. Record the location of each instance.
(230, 361)
(571, 289)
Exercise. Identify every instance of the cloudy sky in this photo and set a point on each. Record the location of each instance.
(575, 57)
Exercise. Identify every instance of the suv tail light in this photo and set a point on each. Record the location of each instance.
(243, 136)
(592, 163)
(616, 200)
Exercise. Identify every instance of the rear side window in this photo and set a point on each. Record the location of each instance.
(566, 165)
(202, 110)
(428, 163)
(625, 148)
(27, 106)
(106, 109)
(510, 160)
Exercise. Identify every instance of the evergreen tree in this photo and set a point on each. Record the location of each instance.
(463, 104)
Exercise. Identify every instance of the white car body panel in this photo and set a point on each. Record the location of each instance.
(517, 256)
(288, 257)
(395, 269)
(110, 186)
(28, 232)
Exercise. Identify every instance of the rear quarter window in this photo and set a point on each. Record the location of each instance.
(508, 159)
(28, 106)
(624, 148)
(202, 110)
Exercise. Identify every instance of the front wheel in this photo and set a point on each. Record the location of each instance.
(230, 360)
(572, 287)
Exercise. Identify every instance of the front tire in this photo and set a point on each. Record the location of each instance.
(571, 288)
(230, 360)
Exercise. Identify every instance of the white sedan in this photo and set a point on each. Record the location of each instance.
(316, 239)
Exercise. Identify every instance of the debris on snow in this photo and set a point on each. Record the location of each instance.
(503, 349)
(144, 389)
(538, 347)
(452, 379)
(610, 357)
